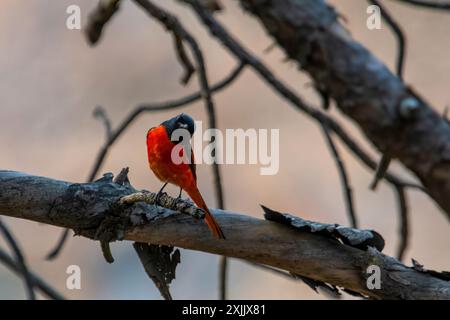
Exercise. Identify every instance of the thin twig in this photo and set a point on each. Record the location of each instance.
(427, 4)
(59, 245)
(399, 35)
(184, 59)
(100, 114)
(172, 24)
(404, 221)
(383, 166)
(347, 190)
(97, 20)
(40, 284)
(223, 276)
(381, 170)
(19, 258)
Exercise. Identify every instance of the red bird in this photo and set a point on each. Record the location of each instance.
(159, 150)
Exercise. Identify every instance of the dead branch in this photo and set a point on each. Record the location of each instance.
(427, 4)
(84, 207)
(104, 11)
(393, 117)
(21, 264)
(36, 281)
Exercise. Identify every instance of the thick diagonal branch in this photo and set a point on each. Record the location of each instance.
(393, 117)
(84, 206)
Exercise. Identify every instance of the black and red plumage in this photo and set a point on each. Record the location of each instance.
(159, 150)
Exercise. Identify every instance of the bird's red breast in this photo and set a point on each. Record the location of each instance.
(159, 149)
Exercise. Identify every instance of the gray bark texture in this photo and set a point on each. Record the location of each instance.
(308, 249)
(400, 123)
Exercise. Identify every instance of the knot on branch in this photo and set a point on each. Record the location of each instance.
(409, 107)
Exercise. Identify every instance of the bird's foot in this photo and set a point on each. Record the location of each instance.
(158, 197)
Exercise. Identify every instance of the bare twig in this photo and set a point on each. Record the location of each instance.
(404, 221)
(383, 166)
(381, 170)
(427, 4)
(37, 282)
(172, 23)
(100, 113)
(104, 11)
(59, 245)
(223, 276)
(399, 35)
(184, 59)
(347, 190)
(19, 259)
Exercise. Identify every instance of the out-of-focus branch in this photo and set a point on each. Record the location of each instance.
(404, 221)
(383, 166)
(181, 33)
(345, 181)
(399, 35)
(84, 206)
(22, 266)
(36, 281)
(361, 85)
(427, 4)
(394, 118)
(99, 17)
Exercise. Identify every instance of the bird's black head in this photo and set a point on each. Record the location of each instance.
(181, 121)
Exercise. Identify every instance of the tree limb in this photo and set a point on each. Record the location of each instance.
(39, 283)
(393, 117)
(84, 206)
(396, 119)
(427, 4)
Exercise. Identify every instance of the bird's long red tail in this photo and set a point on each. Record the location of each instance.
(209, 218)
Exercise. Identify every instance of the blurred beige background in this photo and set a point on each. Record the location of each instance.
(51, 80)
